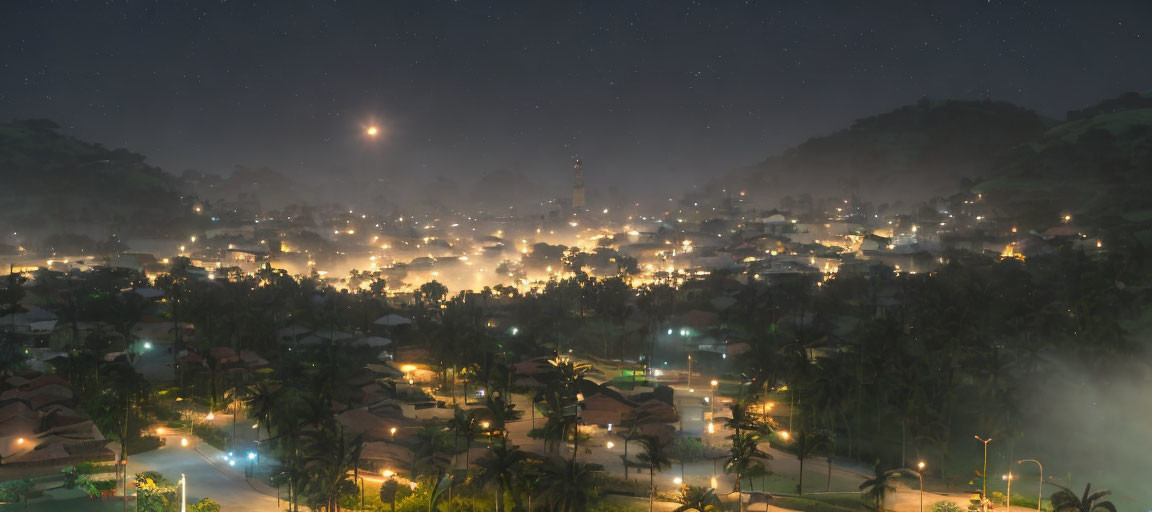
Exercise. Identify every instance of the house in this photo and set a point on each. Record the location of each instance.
(606, 407)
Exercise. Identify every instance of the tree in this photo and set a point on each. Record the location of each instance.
(388, 492)
(155, 493)
(498, 467)
(807, 445)
(743, 457)
(876, 489)
(330, 458)
(204, 505)
(653, 455)
(434, 291)
(569, 486)
(17, 491)
(686, 449)
(698, 498)
(1065, 500)
(463, 424)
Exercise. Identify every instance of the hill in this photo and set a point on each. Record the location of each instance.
(1096, 165)
(56, 183)
(910, 151)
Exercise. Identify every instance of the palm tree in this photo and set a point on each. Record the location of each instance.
(463, 424)
(498, 466)
(569, 486)
(875, 489)
(744, 456)
(656, 458)
(261, 400)
(741, 418)
(698, 498)
(330, 456)
(1065, 500)
(426, 455)
(807, 445)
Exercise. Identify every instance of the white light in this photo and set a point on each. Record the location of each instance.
(251, 455)
(147, 345)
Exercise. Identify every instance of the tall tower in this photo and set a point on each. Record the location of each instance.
(578, 186)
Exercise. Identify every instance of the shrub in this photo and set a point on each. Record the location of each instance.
(144, 444)
(212, 436)
(946, 506)
(205, 505)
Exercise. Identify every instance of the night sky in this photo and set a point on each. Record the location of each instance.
(636, 89)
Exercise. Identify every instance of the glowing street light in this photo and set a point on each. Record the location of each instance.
(387, 473)
(183, 441)
(785, 435)
(211, 416)
(393, 432)
(920, 473)
(372, 131)
(610, 444)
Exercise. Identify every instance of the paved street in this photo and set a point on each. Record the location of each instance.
(207, 473)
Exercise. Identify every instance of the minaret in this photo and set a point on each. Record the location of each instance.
(578, 186)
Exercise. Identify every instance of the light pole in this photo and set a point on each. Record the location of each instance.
(1039, 497)
(1009, 477)
(715, 383)
(183, 492)
(984, 475)
(920, 473)
(689, 371)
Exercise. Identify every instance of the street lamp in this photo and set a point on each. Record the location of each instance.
(920, 473)
(393, 432)
(1040, 497)
(984, 475)
(183, 493)
(715, 383)
(689, 371)
(1009, 477)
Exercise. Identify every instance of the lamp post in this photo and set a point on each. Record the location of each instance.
(715, 383)
(920, 473)
(689, 371)
(1009, 477)
(183, 492)
(984, 475)
(1039, 497)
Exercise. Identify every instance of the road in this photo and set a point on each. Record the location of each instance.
(207, 473)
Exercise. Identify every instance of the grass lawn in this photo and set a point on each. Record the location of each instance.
(822, 503)
(72, 505)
